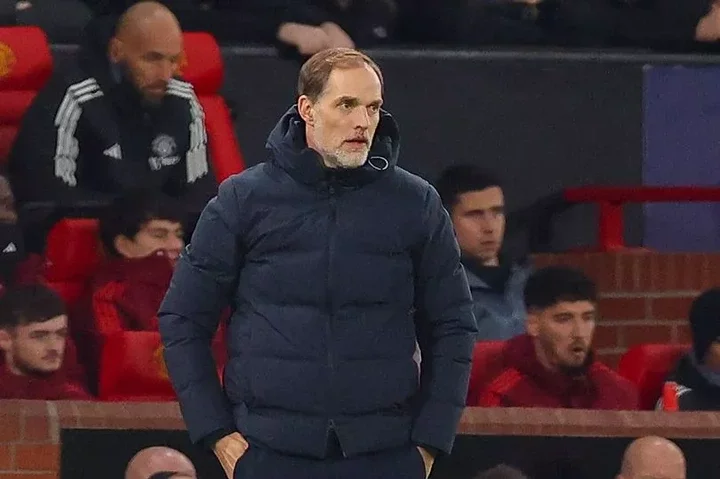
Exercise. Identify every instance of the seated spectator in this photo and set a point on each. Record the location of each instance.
(15, 265)
(142, 236)
(160, 463)
(501, 472)
(474, 199)
(652, 457)
(33, 340)
(698, 372)
(120, 123)
(552, 365)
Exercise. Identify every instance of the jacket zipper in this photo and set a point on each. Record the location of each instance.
(330, 306)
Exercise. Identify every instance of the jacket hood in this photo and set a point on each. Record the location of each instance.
(289, 150)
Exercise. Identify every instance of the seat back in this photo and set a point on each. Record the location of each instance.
(486, 364)
(647, 366)
(203, 68)
(25, 67)
(132, 368)
(71, 257)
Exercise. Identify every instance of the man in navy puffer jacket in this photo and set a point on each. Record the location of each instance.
(334, 262)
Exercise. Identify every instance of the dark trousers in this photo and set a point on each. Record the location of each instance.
(401, 463)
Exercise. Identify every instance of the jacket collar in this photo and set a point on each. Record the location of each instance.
(289, 150)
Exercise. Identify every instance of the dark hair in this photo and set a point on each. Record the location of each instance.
(127, 215)
(548, 286)
(315, 72)
(501, 471)
(29, 304)
(458, 179)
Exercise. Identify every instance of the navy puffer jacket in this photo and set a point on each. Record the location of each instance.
(331, 276)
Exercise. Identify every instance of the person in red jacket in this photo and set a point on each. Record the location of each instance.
(33, 340)
(142, 236)
(553, 365)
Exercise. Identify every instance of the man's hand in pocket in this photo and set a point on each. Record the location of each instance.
(229, 450)
(428, 459)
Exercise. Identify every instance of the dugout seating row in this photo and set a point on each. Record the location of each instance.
(131, 365)
(132, 368)
(26, 65)
(645, 365)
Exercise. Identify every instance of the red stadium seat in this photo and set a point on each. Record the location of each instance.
(25, 67)
(72, 255)
(203, 68)
(132, 368)
(647, 366)
(486, 363)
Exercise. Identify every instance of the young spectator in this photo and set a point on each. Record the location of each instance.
(552, 365)
(142, 236)
(698, 372)
(33, 340)
(475, 201)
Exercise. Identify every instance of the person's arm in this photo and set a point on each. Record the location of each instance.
(201, 287)
(446, 330)
(43, 162)
(193, 180)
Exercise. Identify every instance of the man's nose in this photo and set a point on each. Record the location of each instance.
(168, 70)
(57, 344)
(362, 118)
(175, 244)
(486, 224)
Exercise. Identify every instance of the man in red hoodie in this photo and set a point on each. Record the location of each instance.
(142, 236)
(552, 365)
(33, 340)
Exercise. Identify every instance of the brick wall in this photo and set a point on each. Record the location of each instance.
(29, 441)
(645, 297)
(30, 430)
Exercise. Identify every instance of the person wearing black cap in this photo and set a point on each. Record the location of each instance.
(698, 372)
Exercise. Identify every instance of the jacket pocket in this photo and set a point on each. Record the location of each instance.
(243, 466)
(418, 464)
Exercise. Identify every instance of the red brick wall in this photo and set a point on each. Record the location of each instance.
(30, 430)
(29, 441)
(645, 297)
